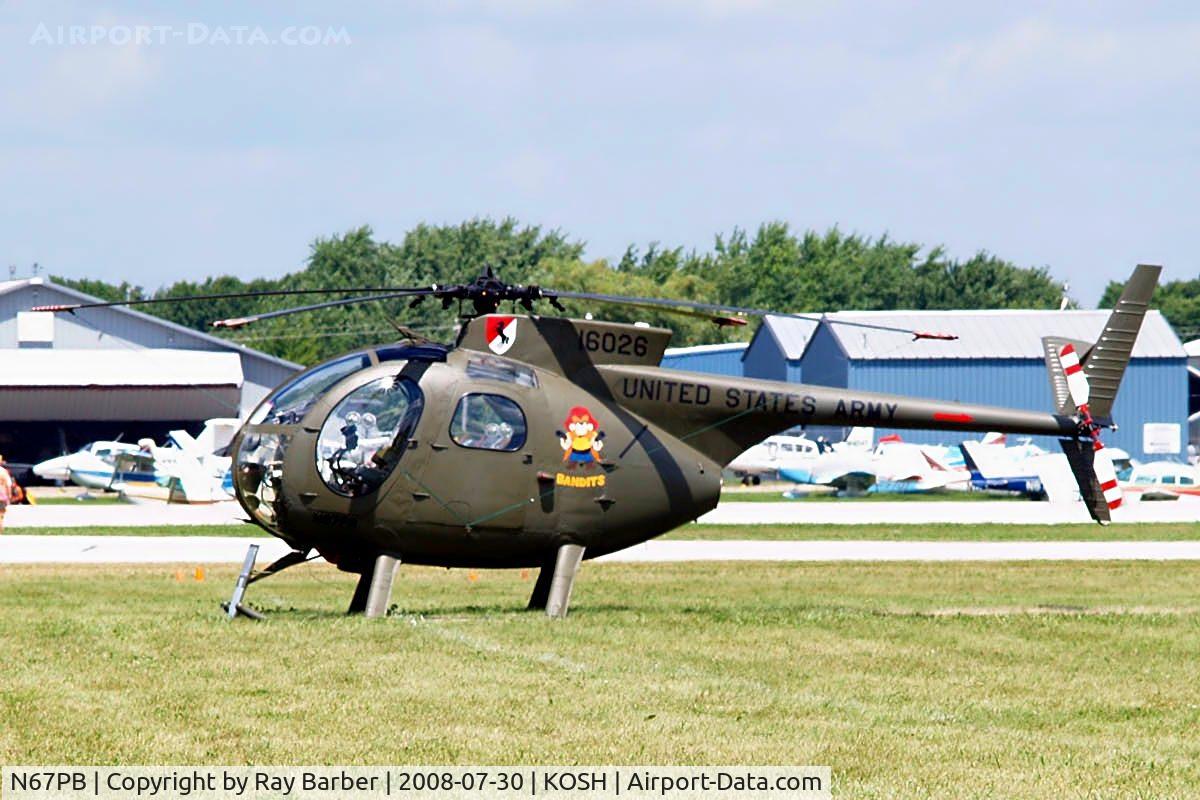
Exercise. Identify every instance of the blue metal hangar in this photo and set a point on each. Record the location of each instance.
(997, 359)
(66, 380)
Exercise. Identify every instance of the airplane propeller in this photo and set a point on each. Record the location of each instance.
(1080, 391)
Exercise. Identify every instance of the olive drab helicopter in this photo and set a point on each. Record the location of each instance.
(537, 441)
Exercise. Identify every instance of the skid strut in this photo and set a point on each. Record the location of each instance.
(234, 607)
(247, 576)
(552, 592)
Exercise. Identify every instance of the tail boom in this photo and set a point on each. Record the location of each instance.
(722, 417)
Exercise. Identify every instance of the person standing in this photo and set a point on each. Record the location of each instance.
(6, 491)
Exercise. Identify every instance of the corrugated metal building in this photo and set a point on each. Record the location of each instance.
(70, 379)
(997, 359)
(718, 359)
(1192, 349)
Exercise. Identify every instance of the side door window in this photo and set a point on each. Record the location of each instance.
(488, 422)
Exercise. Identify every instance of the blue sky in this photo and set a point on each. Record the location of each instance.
(1063, 135)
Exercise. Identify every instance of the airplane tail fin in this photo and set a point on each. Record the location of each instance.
(185, 442)
(1085, 377)
(860, 438)
(979, 460)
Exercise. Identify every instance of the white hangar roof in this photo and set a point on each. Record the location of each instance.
(119, 364)
(982, 333)
(7, 287)
(120, 368)
(699, 349)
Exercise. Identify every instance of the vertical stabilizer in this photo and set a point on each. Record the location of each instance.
(1105, 364)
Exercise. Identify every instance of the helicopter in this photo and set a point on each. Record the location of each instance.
(536, 441)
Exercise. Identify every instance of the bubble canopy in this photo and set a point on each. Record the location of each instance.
(364, 422)
(288, 404)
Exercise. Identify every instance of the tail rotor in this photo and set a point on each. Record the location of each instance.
(1103, 473)
(1086, 377)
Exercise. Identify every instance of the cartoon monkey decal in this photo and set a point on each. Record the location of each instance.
(583, 440)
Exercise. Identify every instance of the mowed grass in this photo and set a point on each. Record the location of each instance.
(238, 529)
(1147, 531)
(911, 680)
(71, 500)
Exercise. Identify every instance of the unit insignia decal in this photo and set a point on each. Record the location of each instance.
(500, 333)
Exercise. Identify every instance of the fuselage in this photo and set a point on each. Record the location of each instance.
(464, 490)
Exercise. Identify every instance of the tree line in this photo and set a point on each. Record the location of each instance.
(775, 268)
(1179, 301)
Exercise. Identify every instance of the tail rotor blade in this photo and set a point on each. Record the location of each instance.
(1106, 476)
(1077, 382)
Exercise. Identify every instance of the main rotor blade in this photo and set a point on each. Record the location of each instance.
(664, 304)
(240, 322)
(71, 307)
(720, 320)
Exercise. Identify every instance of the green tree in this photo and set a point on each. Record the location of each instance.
(103, 289)
(1179, 302)
(775, 269)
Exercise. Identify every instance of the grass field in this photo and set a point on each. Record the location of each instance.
(71, 500)
(239, 529)
(1030, 680)
(1159, 531)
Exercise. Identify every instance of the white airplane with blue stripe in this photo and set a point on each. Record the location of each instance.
(189, 469)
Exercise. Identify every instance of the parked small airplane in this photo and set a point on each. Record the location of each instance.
(190, 470)
(1163, 480)
(90, 467)
(793, 450)
(1026, 468)
(893, 466)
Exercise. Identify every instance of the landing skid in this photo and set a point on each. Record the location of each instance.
(372, 594)
(235, 607)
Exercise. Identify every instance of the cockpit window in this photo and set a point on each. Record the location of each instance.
(365, 435)
(289, 404)
(488, 422)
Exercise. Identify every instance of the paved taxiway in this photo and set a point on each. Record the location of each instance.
(83, 549)
(796, 512)
(971, 512)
